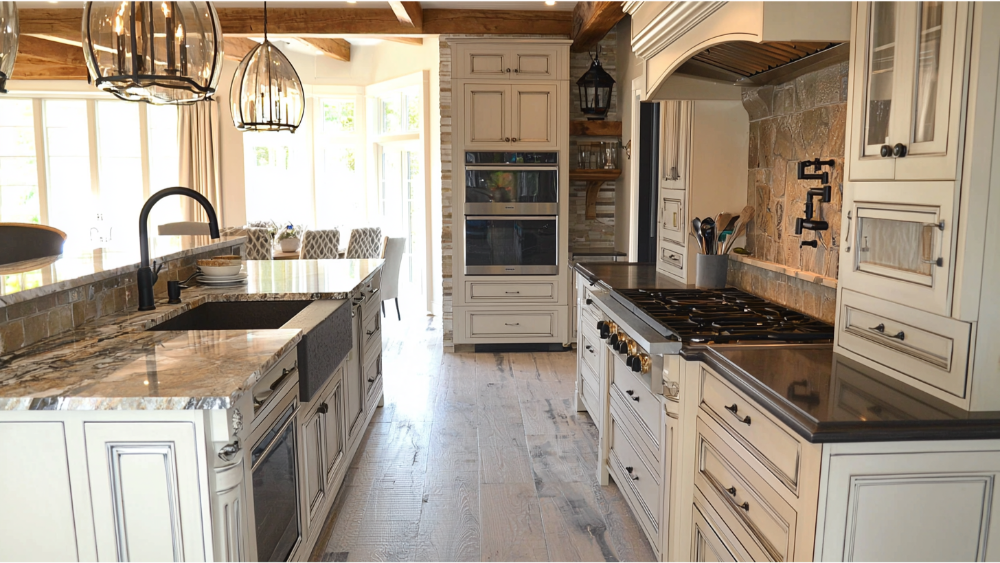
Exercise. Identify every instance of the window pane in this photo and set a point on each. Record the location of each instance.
(338, 116)
(18, 168)
(412, 110)
(276, 167)
(70, 198)
(339, 192)
(391, 114)
(164, 167)
(120, 171)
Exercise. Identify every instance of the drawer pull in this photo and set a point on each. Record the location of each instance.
(732, 491)
(939, 262)
(512, 292)
(847, 235)
(733, 409)
(631, 393)
(881, 330)
(370, 332)
(589, 348)
(512, 324)
(630, 469)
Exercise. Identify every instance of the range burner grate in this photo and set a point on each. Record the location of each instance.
(720, 316)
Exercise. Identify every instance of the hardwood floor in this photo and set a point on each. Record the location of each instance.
(477, 457)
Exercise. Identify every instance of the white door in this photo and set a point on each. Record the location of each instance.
(533, 116)
(487, 116)
(402, 201)
(144, 482)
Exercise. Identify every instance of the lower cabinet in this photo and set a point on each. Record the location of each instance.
(323, 452)
(229, 514)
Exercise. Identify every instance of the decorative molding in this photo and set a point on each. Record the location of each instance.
(786, 270)
(669, 25)
(164, 450)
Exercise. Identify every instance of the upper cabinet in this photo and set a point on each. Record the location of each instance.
(510, 117)
(909, 61)
(675, 141)
(518, 62)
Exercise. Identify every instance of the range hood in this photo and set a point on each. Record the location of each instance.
(740, 43)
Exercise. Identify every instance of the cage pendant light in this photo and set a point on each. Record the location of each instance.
(596, 87)
(9, 31)
(266, 94)
(158, 52)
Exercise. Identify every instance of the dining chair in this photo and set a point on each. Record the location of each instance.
(183, 228)
(320, 245)
(28, 241)
(393, 256)
(260, 245)
(365, 242)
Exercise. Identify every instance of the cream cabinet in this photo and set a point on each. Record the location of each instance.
(908, 78)
(229, 521)
(504, 62)
(510, 116)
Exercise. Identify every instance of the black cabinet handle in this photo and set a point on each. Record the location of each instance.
(879, 328)
(629, 469)
(323, 408)
(369, 332)
(731, 490)
(630, 392)
(371, 380)
(885, 151)
(734, 409)
(590, 302)
(589, 348)
(636, 399)
(899, 150)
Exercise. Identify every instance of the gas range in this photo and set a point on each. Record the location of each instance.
(720, 316)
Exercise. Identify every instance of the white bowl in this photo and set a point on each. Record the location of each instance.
(221, 270)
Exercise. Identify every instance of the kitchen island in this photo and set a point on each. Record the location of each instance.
(783, 451)
(122, 441)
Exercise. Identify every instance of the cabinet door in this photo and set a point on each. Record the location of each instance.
(335, 434)
(675, 138)
(355, 390)
(705, 543)
(229, 514)
(487, 115)
(314, 460)
(673, 225)
(533, 116)
(935, 56)
(540, 62)
(876, 89)
(485, 61)
(145, 491)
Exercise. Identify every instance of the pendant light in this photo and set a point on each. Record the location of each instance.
(9, 31)
(158, 52)
(267, 94)
(596, 86)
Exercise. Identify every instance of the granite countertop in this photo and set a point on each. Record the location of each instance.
(821, 395)
(113, 364)
(36, 278)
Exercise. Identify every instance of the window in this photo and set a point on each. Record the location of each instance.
(19, 201)
(340, 190)
(278, 184)
(399, 111)
(96, 166)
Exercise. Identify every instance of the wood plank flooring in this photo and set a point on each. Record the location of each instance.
(477, 457)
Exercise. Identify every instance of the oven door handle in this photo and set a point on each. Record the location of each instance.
(277, 435)
(510, 168)
(511, 217)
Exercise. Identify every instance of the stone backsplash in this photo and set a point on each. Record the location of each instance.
(25, 323)
(801, 119)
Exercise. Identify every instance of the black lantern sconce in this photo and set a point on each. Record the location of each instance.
(596, 86)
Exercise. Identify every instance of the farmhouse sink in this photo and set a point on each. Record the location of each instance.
(235, 315)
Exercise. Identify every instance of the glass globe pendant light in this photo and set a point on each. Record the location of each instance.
(267, 94)
(9, 31)
(158, 52)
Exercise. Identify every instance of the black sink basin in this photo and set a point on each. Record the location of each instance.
(235, 315)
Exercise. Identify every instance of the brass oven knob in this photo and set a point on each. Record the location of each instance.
(633, 348)
(641, 363)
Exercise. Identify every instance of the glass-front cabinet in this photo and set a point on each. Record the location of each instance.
(902, 252)
(907, 102)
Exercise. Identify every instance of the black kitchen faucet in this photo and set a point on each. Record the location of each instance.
(822, 192)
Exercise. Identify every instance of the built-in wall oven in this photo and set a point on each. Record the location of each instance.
(511, 213)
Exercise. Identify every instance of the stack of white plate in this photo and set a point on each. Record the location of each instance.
(234, 279)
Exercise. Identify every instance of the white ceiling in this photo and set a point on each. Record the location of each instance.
(441, 4)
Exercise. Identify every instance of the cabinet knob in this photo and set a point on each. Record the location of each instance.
(513, 139)
(323, 408)
(899, 150)
(506, 139)
(590, 301)
(885, 151)
(371, 380)
(508, 71)
(516, 71)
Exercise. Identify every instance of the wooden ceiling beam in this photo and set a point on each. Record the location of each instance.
(409, 13)
(50, 51)
(592, 21)
(338, 49)
(28, 67)
(404, 40)
(497, 22)
(236, 48)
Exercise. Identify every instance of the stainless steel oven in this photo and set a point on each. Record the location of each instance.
(273, 462)
(511, 244)
(511, 183)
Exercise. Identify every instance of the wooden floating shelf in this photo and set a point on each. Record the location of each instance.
(595, 179)
(595, 128)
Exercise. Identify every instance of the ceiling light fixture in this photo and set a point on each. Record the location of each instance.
(9, 32)
(158, 52)
(266, 94)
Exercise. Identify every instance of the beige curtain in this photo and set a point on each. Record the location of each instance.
(200, 167)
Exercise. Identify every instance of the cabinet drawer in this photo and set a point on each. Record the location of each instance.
(640, 485)
(670, 259)
(373, 375)
(706, 545)
(591, 399)
(917, 345)
(371, 329)
(590, 350)
(770, 443)
(742, 498)
(672, 223)
(503, 291)
(515, 323)
(591, 313)
(643, 405)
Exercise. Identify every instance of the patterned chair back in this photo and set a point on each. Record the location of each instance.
(320, 245)
(365, 242)
(259, 244)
